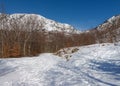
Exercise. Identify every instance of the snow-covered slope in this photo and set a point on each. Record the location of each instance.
(115, 20)
(109, 31)
(39, 22)
(94, 65)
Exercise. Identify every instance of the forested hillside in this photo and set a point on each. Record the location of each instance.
(29, 35)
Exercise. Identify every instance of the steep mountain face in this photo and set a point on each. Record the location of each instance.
(109, 31)
(37, 22)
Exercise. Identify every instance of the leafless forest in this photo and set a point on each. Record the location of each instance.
(17, 39)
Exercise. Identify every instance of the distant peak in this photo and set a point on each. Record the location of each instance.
(47, 24)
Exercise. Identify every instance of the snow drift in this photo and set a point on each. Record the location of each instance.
(93, 65)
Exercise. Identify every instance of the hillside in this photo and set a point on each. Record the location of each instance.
(109, 31)
(31, 34)
(34, 21)
(93, 65)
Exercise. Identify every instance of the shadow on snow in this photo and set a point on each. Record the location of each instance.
(108, 66)
(5, 69)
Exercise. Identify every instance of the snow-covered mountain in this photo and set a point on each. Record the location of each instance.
(113, 21)
(109, 31)
(39, 22)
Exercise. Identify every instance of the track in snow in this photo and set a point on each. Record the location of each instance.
(93, 65)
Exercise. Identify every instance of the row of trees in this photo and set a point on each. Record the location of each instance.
(27, 38)
(25, 43)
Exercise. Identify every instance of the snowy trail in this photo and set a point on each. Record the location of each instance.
(94, 65)
(24, 71)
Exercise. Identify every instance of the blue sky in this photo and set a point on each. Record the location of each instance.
(82, 14)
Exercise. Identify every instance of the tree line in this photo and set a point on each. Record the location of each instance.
(18, 39)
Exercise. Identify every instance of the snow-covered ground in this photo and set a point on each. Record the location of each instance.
(93, 65)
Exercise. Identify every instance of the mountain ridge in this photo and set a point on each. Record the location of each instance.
(107, 32)
(47, 24)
